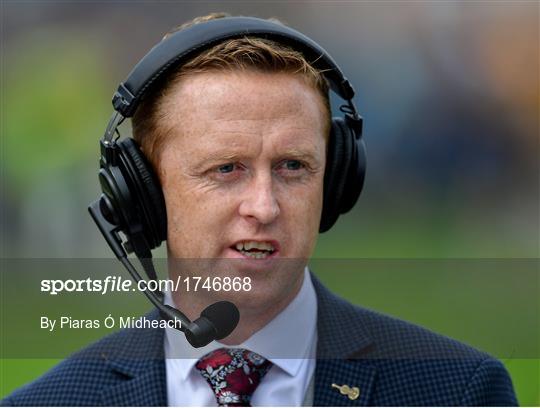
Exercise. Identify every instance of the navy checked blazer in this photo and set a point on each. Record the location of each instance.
(390, 361)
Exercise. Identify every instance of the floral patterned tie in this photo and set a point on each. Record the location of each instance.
(233, 375)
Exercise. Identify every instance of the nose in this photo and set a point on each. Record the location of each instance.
(259, 202)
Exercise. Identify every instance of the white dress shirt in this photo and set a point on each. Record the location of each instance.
(289, 341)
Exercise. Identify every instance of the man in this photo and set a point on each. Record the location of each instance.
(238, 137)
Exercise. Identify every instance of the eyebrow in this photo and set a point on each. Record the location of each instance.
(216, 157)
(221, 155)
(298, 154)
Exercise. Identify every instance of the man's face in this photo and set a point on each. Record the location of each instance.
(243, 165)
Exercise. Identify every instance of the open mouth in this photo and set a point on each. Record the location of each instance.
(255, 249)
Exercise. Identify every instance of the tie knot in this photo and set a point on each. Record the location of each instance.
(233, 374)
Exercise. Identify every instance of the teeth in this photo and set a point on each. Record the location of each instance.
(245, 246)
(255, 255)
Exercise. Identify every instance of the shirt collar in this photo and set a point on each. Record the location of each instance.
(287, 339)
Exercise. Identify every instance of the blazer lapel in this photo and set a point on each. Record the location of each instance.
(148, 389)
(342, 341)
(139, 365)
(331, 374)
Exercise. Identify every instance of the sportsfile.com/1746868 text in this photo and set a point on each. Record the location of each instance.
(119, 284)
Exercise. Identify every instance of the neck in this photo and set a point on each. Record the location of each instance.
(253, 316)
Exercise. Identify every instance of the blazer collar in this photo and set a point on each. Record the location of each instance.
(137, 357)
(342, 341)
(341, 332)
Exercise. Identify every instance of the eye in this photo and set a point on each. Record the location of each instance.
(291, 165)
(292, 169)
(226, 168)
(226, 171)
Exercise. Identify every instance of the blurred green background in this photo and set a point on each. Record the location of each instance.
(450, 96)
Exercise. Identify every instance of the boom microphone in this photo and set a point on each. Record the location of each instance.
(217, 321)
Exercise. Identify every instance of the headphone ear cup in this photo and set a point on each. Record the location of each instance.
(334, 180)
(344, 174)
(354, 179)
(149, 198)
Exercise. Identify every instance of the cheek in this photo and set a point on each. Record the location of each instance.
(195, 218)
(302, 209)
(305, 202)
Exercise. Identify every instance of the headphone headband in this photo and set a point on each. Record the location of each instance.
(183, 44)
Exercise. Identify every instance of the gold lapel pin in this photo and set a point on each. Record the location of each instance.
(352, 393)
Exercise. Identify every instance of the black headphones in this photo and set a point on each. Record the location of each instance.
(132, 201)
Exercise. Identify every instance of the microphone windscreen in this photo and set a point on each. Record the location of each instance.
(224, 316)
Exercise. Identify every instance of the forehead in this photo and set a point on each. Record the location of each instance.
(244, 99)
(242, 115)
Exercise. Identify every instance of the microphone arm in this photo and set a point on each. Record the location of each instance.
(166, 311)
(200, 332)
